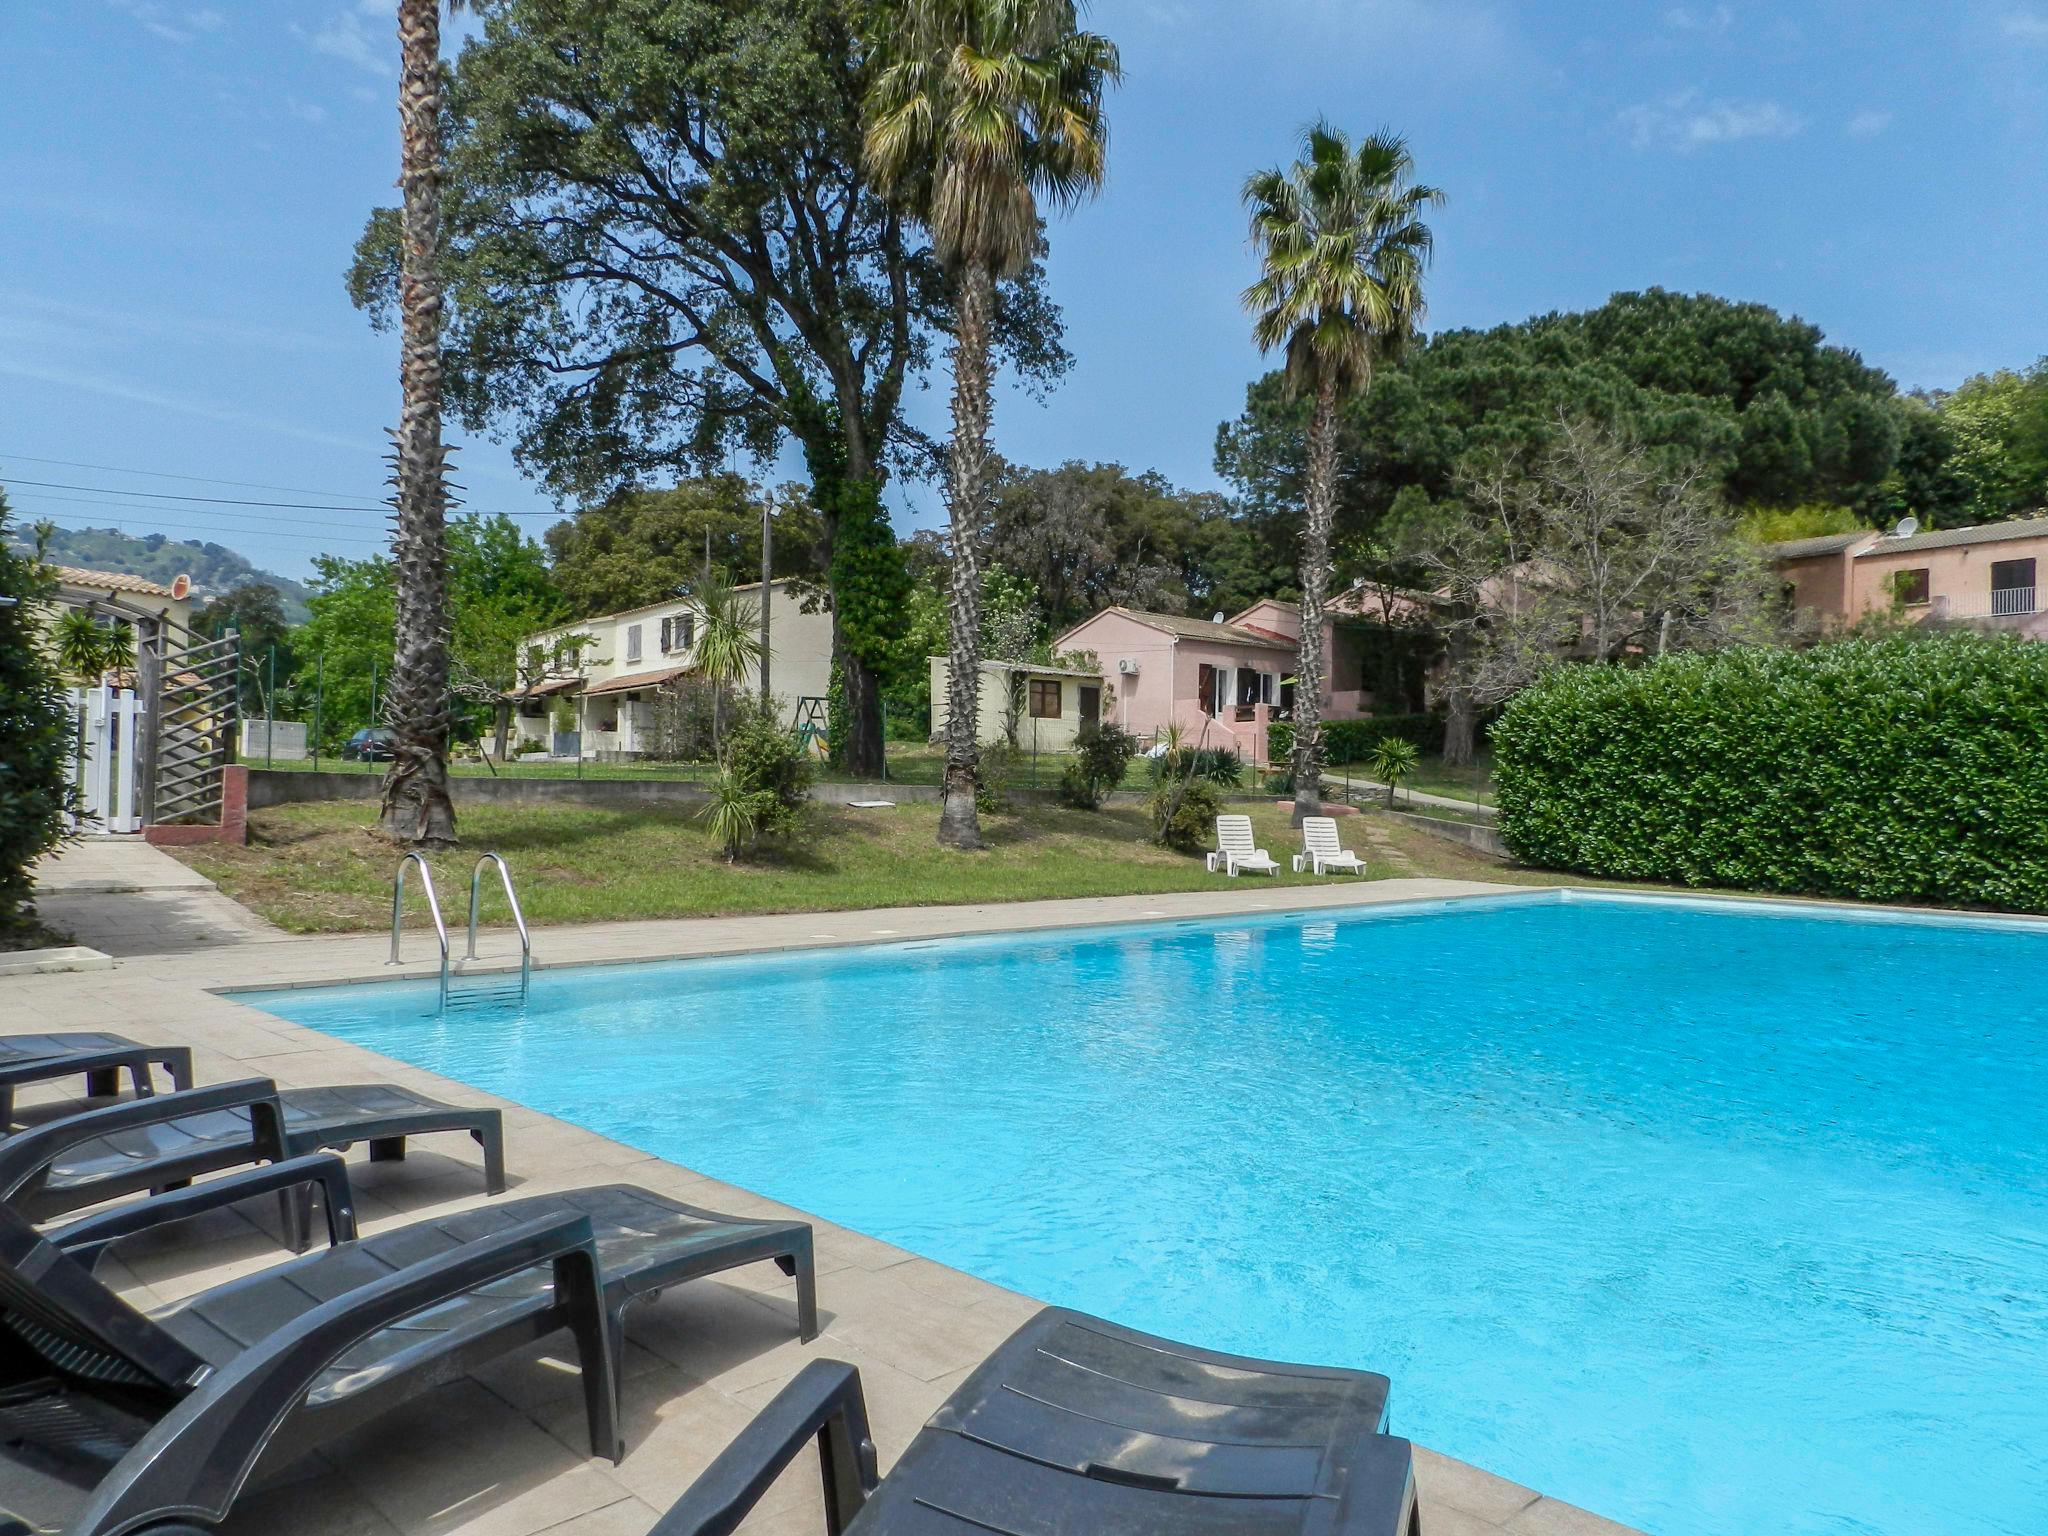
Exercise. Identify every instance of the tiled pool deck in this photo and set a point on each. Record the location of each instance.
(502, 1453)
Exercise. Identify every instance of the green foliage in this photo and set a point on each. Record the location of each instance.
(35, 735)
(762, 760)
(499, 591)
(1777, 526)
(734, 814)
(1998, 424)
(1102, 754)
(1184, 814)
(995, 771)
(1216, 765)
(870, 584)
(87, 647)
(1896, 769)
(1353, 741)
(1393, 759)
(1785, 418)
(642, 547)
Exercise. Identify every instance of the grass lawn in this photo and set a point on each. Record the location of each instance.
(316, 869)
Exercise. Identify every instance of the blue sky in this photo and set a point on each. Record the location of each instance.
(181, 182)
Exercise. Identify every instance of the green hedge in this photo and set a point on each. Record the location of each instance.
(1885, 770)
(1352, 741)
(35, 737)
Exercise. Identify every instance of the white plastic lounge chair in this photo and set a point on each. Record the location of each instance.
(1323, 852)
(1236, 850)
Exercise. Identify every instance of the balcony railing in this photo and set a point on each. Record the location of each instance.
(2011, 600)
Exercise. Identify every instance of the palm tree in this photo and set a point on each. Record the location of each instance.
(728, 641)
(81, 645)
(417, 808)
(980, 109)
(1343, 247)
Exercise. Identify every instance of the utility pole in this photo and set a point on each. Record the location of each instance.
(767, 577)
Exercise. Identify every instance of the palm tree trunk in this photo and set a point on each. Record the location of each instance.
(417, 808)
(1315, 580)
(967, 487)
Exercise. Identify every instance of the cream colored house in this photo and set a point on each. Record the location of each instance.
(609, 668)
(1985, 576)
(1038, 709)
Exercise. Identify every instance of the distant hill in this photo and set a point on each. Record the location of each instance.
(214, 568)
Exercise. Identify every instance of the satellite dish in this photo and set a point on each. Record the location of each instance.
(1217, 617)
(181, 588)
(1908, 526)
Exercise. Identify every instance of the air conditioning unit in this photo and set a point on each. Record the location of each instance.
(1128, 666)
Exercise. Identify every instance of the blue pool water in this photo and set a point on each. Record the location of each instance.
(1713, 1221)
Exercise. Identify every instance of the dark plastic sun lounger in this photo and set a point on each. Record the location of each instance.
(170, 1139)
(113, 1421)
(101, 1058)
(1075, 1424)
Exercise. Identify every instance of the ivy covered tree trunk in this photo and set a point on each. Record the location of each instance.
(417, 808)
(966, 486)
(869, 586)
(1315, 580)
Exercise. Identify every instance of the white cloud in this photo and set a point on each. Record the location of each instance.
(1688, 121)
(305, 111)
(2026, 26)
(167, 21)
(1684, 18)
(364, 34)
(1868, 123)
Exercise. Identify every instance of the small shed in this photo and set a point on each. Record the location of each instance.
(1038, 708)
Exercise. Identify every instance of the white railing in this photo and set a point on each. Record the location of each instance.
(2011, 600)
(433, 906)
(105, 766)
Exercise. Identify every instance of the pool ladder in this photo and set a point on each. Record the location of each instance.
(468, 997)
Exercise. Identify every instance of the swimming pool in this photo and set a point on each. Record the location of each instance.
(1708, 1218)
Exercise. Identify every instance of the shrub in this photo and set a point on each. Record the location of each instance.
(1219, 765)
(1102, 753)
(1352, 741)
(996, 768)
(1184, 814)
(1901, 769)
(35, 739)
(768, 772)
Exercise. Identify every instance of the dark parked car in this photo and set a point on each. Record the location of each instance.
(372, 744)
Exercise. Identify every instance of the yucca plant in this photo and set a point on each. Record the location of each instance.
(1393, 758)
(733, 815)
(728, 641)
(82, 646)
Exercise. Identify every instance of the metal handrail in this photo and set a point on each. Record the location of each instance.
(433, 906)
(476, 883)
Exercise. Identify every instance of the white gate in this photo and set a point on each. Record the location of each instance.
(106, 759)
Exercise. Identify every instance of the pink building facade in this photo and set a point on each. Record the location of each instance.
(1221, 683)
(1989, 576)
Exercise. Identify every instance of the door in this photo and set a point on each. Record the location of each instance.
(1091, 706)
(1205, 688)
(2012, 586)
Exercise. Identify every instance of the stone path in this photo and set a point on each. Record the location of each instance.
(122, 897)
(502, 1453)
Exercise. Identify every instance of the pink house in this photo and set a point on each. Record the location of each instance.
(1221, 682)
(1986, 576)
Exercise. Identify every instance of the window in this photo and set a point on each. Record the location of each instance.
(632, 642)
(678, 633)
(1248, 686)
(1910, 587)
(1045, 699)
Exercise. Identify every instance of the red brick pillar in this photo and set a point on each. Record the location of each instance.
(234, 805)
